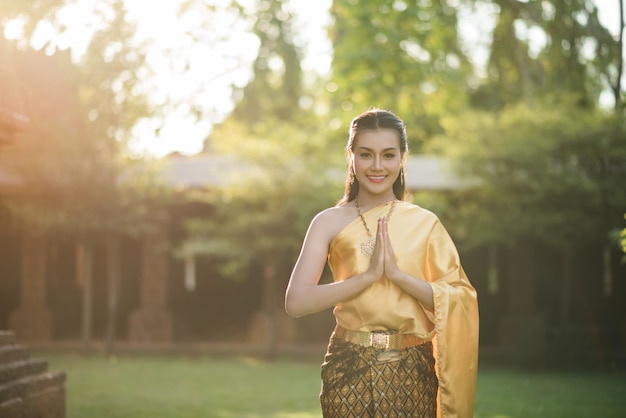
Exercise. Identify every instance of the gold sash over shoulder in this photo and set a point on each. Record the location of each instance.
(425, 250)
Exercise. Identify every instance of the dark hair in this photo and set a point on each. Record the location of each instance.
(374, 119)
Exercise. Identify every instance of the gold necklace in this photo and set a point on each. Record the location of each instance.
(367, 246)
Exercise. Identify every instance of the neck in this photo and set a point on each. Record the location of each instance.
(369, 201)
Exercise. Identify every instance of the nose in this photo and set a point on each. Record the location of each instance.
(377, 163)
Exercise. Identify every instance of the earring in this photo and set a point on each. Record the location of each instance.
(402, 176)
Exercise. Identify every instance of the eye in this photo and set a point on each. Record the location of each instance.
(389, 155)
(365, 155)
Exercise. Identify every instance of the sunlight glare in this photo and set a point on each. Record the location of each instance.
(189, 73)
(200, 73)
(179, 132)
(80, 23)
(14, 29)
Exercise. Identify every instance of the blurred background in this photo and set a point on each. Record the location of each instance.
(160, 163)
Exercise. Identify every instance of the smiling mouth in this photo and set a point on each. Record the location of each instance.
(376, 179)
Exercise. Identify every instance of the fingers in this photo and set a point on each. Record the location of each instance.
(377, 261)
(385, 235)
(378, 242)
(384, 232)
(383, 263)
(379, 251)
(390, 265)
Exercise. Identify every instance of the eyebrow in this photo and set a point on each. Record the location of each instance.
(386, 149)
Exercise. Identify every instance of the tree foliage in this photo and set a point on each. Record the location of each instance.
(403, 56)
(284, 175)
(72, 160)
(548, 47)
(622, 242)
(32, 13)
(548, 172)
(276, 86)
(544, 158)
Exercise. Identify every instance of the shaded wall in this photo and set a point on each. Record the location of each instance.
(10, 242)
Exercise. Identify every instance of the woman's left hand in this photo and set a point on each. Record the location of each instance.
(391, 270)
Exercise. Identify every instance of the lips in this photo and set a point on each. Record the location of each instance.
(376, 179)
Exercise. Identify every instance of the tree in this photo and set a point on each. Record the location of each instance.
(552, 173)
(404, 56)
(266, 83)
(31, 12)
(259, 219)
(555, 47)
(77, 179)
(258, 222)
(620, 238)
(276, 86)
(615, 71)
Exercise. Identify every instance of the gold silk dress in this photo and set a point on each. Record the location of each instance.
(423, 249)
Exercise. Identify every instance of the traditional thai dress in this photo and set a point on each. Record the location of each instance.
(389, 355)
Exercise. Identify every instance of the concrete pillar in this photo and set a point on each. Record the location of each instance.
(152, 321)
(32, 320)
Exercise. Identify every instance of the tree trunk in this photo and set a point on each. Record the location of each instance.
(269, 276)
(113, 276)
(85, 277)
(617, 88)
(190, 273)
(493, 279)
(566, 280)
(607, 272)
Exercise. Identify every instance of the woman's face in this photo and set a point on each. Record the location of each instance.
(377, 160)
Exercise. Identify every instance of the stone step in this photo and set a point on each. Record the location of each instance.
(7, 337)
(41, 396)
(20, 369)
(27, 388)
(13, 352)
(13, 408)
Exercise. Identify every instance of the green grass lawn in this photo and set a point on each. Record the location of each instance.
(168, 386)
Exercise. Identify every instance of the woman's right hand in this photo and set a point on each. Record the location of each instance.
(377, 263)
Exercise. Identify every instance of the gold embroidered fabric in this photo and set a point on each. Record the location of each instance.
(365, 382)
(424, 249)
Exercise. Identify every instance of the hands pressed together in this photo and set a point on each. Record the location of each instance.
(383, 261)
(383, 264)
(305, 295)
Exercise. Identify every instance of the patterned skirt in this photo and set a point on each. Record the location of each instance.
(366, 382)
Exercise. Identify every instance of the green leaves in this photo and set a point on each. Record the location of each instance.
(618, 236)
(549, 47)
(284, 176)
(403, 56)
(549, 172)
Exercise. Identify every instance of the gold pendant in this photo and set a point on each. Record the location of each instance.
(367, 247)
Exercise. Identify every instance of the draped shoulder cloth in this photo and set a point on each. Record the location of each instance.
(423, 249)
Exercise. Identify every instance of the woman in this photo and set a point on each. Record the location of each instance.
(406, 339)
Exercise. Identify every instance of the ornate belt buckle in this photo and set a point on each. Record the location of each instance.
(379, 339)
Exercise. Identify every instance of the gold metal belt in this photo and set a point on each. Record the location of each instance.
(387, 340)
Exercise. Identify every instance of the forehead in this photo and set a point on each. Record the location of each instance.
(377, 139)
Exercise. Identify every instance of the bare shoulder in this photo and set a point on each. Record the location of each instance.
(330, 221)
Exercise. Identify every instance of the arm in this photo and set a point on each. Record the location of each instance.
(418, 288)
(304, 295)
